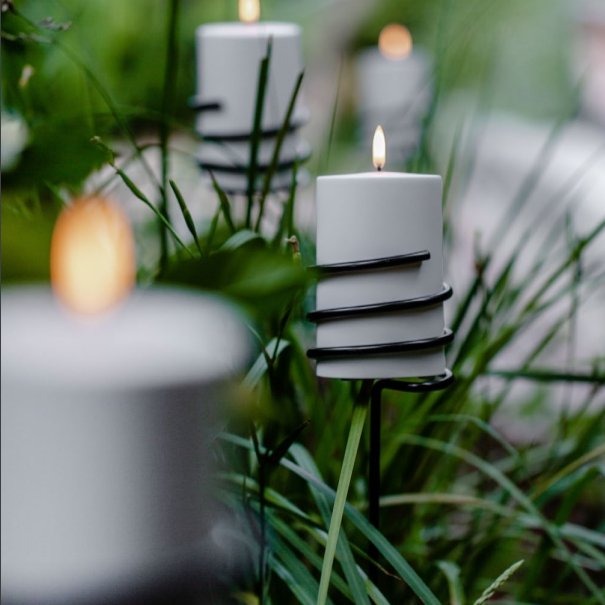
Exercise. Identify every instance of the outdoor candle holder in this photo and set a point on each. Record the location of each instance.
(227, 155)
(373, 354)
(380, 298)
(229, 57)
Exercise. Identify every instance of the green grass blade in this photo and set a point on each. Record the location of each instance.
(286, 223)
(277, 150)
(140, 195)
(548, 376)
(186, 215)
(224, 202)
(348, 463)
(489, 592)
(451, 571)
(261, 365)
(168, 87)
(343, 549)
(255, 135)
(293, 573)
(309, 555)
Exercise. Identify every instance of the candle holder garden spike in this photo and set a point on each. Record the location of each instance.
(409, 347)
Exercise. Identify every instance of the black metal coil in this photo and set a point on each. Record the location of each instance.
(373, 264)
(408, 304)
(391, 348)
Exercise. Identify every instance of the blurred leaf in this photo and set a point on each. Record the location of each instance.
(25, 243)
(186, 215)
(489, 592)
(452, 573)
(60, 153)
(276, 151)
(262, 279)
(261, 365)
(240, 238)
(224, 203)
(257, 125)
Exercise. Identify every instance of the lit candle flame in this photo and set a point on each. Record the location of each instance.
(92, 260)
(249, 10)
(379, 149)
(395, 41)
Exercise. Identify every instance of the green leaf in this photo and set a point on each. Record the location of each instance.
(384, 547)
(241, 238)
(277, 149)
(451, 571)
(60, 152)
(140, 195)
(261, 365)
(343, 550)
(261, 88)
(224, 203)
(264, 280)
(489, 592)
(348, 463)
(186, 215)
(281, 449)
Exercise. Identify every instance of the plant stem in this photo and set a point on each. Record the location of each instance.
(167, 99)
(357, 421)
(261, 459)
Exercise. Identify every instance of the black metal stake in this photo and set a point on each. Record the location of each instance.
(374, 461)
(432, 384)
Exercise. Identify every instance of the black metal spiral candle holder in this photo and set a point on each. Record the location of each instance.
(227, 155)
(424, 385)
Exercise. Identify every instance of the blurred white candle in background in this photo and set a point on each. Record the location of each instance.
(394, 88)
(107, 420)
(228, 60)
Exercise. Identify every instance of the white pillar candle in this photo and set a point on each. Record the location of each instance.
(228, 62)
(106, 420)
(362, 217)
(106, 426)
(394, 88)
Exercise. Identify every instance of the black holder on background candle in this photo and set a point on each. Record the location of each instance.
(424, 385)
(231, 168)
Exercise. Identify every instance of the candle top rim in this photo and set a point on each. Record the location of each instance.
(158, 338)
(239, 29)
(384, 175)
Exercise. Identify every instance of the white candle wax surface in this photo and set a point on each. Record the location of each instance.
(228, 61)
(105, 427)
(375, 215)
(156, 338)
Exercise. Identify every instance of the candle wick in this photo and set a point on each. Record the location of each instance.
(379, 168)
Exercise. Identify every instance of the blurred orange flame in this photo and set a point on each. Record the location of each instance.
(395, 41)
(92, 259)
(249, 10)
